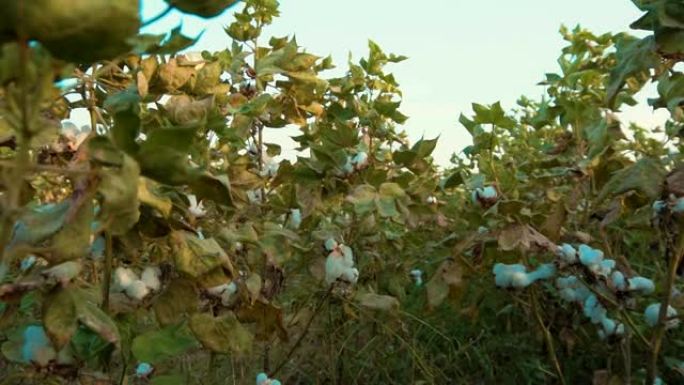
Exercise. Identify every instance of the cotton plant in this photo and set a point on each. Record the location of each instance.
(339, 264)
(127, 281)
(262, 379)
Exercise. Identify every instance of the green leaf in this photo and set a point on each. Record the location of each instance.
(60, 318)
(196, 257)
(644, 176)
(73, 240)
(635, 57)
(179, 299)
(159, 345)
(39, 223)
(147, 193)
(224, 334)
(363, 199)
(119, 190)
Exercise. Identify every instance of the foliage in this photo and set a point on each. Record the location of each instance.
(169, 244)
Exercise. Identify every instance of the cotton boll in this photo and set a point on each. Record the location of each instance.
(659, 206)
(275, 382)
(227, 295)
(641, 284)
(652, 313)
(618, 280)
(568, 294)
(604, 268)
(593, 309)
(37, 347)
(28, 262)
(350, 275)
(589, 256)
(567, 282)
(334, 267)
(545, 271)
(417, 275)
(143, 369)
(482, 230)
(330, 244)
(348, 255)
(488, 192)
(431, 200)
(360, 160)
(503, 274)
(678, 206)
(261, 378)
(520, 280)
(150, 276)
(296, 218)
(137, 290)
(123, 278)
(568, 253)
(196, 208)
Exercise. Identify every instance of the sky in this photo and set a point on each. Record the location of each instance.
(459, 51)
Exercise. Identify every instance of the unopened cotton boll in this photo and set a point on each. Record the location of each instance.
(137, 290)
(123, 278)
(652, 313)
(150, 276)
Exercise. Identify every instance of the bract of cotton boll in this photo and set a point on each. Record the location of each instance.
(678, 206)
(567, 253)
(123, 278)
(143, 369)
(589, 256)
(137, 290)
(641, 285)
(150, 276)
(37, 347)
(652, 313)
(617, 279)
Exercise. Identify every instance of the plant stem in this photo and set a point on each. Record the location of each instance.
(294, 347)
(107, 272)
(548, 338)
(657, 339)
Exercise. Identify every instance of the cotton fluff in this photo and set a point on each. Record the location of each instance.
(678, 206)
(652, 313)
(593, 310)
(28, 262)
(659, 206)
(360, 160)
(431, 200)
(196, 208)
(617, 279)
(486, 193)
(567, 253)
(37, 347)
(516, 275)
(571, 289)
(296, 218)
(123, 278)
(340, 265)
(262, 379)
(137, 290)
(330, 244)
(143, 369)
(589, 256)
(417, 275)
(641, 285)
(150, 276)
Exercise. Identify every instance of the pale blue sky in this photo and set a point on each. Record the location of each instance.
(459, 51)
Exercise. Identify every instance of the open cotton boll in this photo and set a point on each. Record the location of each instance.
(340, 266)
(150, 276)
(196, 208)
(137, 290)
(348, 255)
(488, 192)
(640, 284)
(568, 253)
(652, 313)
(503, 274)
(567, 282)
(330, 244)
(28, 262)
(350, 275)
(520, 280)
(143, 369)
(417, 276)
(604, 268)
(659, 206)
(123, 278)
(678, 206)
(360, 160)
(593, 309)
(261, 378)
(545, 271)
(296, 218)
(589, 256)
(37, 347)
(618, 280)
